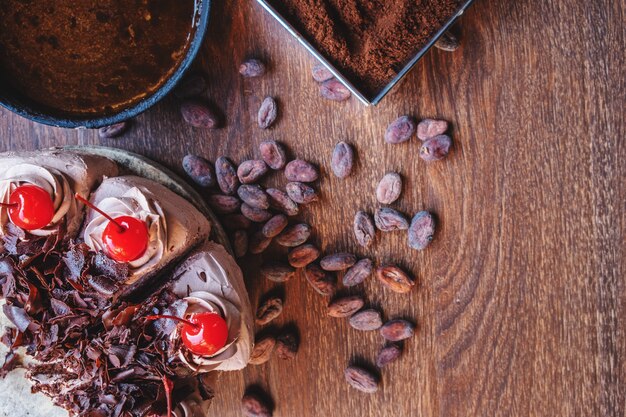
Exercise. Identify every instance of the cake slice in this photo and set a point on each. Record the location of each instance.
(174, 226)
(61, 174)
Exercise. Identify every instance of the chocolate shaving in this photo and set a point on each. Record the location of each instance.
(11, 362)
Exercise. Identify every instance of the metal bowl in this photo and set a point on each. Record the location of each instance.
(32, 111)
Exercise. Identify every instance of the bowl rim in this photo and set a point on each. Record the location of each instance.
(144, 104)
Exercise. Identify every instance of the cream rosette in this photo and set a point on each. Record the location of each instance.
(132, 203)
(49, 179)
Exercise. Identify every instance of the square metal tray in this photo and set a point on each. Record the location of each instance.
(337, 73)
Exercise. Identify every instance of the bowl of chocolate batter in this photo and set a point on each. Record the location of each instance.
(94, 63)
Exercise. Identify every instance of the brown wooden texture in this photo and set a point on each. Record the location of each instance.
(521, 297)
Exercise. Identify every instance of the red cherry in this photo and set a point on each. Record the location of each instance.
(126, 238)
(208, 336)
(30, 207)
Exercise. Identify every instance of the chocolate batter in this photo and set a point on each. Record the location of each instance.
(92, 57)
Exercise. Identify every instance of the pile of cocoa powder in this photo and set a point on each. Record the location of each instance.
(370, 41)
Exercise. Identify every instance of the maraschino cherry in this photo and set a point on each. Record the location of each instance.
(203, 334)
(125, 237)
(30, 207)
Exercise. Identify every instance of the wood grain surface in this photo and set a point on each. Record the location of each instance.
(521, 297)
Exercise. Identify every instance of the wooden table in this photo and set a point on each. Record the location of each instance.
(521, 297)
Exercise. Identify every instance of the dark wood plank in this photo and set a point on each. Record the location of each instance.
(520, 299)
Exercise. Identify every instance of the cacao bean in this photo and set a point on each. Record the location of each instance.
(364, 231)
(394, 278)
(277, 271)
(275, 225)
(269, 310)
(386, 355)
(361, 379)
(257, 215)
(240, 243)
(199, 170)
(262, 351)
(334, 90)
(389, 188)
(250, 172)
(366, 320)
(429, 128)
(435, 149)
(191, 86)
(301, 193)
(254, 196)
(252, 68)
(321, 281)
(345, 306)
(226, 175)
(294, 235)
(358, 273)
(389, 220)
(400, 130)
(236, 222)
(224, 204)
(321, 73)
(267, 113)
(274, 154)
(447, 42)
(114, 130)
(421, 230)
(397, 330)
(258, 243)
(279, 200)
(198, 114)
(255, 406)
(302, 255)
(342, 160)
(301, 171)
(338, 261)
(287, 345)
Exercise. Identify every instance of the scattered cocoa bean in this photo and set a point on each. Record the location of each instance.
(361, 379)
(269, 310)
(199, 170)
(252, 68)
(236, 222)
(387, 354)
(224, 204)
(301, 171)
(267, 113)
(338, 261)
(400, 130)
(334, 90)
(253, 405)
(114, 130)
(321, 281)
(275, 225)
(302, 255)
(226, 175)
(294, 235)
(257, 215)
(250, 172)
(279, 200)
(262, 350)
(389, 220)
(321, 73)
(397, 330)
(435, 149)
(429, 128)
(254, 196)
(389, 188)
(277, 271)
(240, 243)
(394, 278)
(198, 114)
(287, 345)
(191, 86)
(258, 243)
(345, 306)
(301, 193)
(421, 230)
(364, 231)
(366, 320)
(358, 273)
(274, 154)
(342, 160)
(447, 42)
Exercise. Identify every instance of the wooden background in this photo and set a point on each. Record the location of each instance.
(521, 297)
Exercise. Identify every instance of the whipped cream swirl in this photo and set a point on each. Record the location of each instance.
(49, 179)
(132, 203)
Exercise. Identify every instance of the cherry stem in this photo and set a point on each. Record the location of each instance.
(8, 205)
(180, 319)
(167, 384)
(92, 206)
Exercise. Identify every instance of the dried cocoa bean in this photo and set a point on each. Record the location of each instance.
(321, 281)
(279, 200)
(226, 175)
(287, 345)
(366, 320)
(345, 306)
(397, 330)
(196, 113)
(114, 130)
(250, 172)
(262, 351)
(258, 243)
(199, 170)
(252, 68)
(338, 261)
(257, 215)
(358, 273)
(389, 220)
(301, 193)
(277, 271)
(301, 171)
(364, 231)
(342, 160)
(224, 204)
(447, 42)
(269, 310)
(334, 90)
(294, 235)
(275, 225)
(267, 113)
(361, 379)
(421, 230)
(240, 243)
(254, 196)
(435, 149)
(302, 255)
(236, 222)
(394, 278)
(389, 188)
(321, 73)
(253, 405)
(387, 354)
(400, 130)
(191, 86)
(429, 128)
(274, 154)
